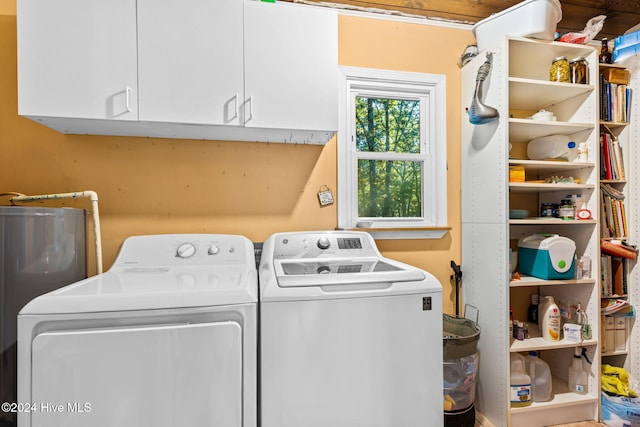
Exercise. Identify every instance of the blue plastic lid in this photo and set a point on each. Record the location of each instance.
(572, 144)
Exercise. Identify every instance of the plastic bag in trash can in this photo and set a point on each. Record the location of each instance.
(460, 382)
(620, 411)
(459, 337)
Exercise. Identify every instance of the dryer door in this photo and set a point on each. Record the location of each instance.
(169, 375)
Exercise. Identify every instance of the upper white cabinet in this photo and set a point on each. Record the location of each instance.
(77, 58)
(197, 69)
(190, 60)
(291, 66)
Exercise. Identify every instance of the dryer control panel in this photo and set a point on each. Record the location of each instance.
(185, 250)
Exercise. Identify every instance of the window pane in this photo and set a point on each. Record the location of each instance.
(390, 189)
(387, 125)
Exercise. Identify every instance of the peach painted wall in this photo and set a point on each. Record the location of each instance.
(149, 186)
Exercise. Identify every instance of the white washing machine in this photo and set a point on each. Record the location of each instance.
(167, 337)
(347, 338)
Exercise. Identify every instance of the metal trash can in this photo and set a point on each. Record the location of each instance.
(461, 363)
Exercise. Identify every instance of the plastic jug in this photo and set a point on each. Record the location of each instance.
(552, 147)
(540, 374)
(520, 383)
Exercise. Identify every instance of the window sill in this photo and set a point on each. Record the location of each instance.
(403, 233)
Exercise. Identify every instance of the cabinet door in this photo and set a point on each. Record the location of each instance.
(291, 66)
(190, 61)
(77, 59)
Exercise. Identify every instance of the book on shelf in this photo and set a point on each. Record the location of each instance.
(611, 306)
(611, 158)
(615, 101)
(613, 215)
(613, 280)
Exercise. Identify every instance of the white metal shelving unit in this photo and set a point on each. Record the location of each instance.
(629, 138)
(633, 209)
(518, 87)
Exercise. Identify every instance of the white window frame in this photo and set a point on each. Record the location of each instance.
(431, 90)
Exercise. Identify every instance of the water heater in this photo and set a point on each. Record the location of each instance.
(41, 249)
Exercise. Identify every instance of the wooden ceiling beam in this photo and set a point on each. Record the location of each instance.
(621, 14)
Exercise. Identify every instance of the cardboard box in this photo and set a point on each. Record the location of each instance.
(516, 173)
(620, 337)
(530, 18)
(608, 328)
(616, 75)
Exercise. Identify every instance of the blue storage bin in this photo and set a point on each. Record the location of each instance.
(547, 257)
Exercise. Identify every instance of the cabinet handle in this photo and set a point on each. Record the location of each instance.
(250, 109)
(236, 107)
(127, 99)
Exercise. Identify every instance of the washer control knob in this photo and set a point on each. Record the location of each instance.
(185, 250)
(324, 243)
(323, 269)
(214, 249)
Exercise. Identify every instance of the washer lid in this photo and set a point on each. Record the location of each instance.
(150, 288)
(327, 272)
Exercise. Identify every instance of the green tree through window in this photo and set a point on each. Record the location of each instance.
(388, 188)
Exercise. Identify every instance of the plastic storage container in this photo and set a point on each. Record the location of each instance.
(547, 257)
(552, 147)
(530, 18)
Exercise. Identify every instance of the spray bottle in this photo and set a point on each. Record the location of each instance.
(578, 378)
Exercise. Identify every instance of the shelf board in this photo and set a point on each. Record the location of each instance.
(527, 281)
(531, 187)
(613, 181)
(613, 124)
(614, 296)
(548, 166)
(533, 95)
(524, 130)
(536, 342)
(551, 221)
(601, 65)
(561, 397)
(615, 353)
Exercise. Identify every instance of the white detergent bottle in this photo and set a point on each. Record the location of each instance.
(540, 374)
(543, 301)
(550, 321)
(520, 384)
(578, 378)
(552, 147)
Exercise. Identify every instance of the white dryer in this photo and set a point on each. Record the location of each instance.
(167, 337)
(348, 338)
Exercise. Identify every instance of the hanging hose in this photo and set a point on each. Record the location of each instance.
(92, 195)
(457, 274)
(479, 112)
